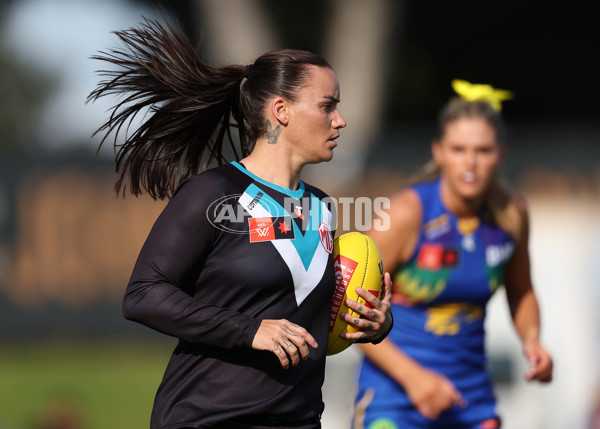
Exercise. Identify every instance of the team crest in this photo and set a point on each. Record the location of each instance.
(325, 236)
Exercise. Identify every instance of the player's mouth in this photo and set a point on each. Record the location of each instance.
(468, 177)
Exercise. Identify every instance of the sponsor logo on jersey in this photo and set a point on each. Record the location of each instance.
(343, 268)
(437, 227)
(430, 256)
(255, 200)
(270, 228)
(298, 211)
(433, 257)
(450, 257)
(497, 254)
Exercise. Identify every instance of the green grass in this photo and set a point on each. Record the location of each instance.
(80, 385)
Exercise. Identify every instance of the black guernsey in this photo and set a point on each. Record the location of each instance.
(229, 250)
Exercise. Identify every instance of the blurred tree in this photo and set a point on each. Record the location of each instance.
(235, 31)
(22, 93)
(359, 44)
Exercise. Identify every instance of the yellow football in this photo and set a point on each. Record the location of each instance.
(357, 263)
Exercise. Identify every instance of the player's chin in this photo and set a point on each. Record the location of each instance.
(470, 191)
(328, 155)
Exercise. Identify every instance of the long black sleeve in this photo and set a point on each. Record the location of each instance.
(228, 251)
(163, 292)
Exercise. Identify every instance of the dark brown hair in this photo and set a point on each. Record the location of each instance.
(192, 105)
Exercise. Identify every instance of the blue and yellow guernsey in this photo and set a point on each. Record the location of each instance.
(439, 300)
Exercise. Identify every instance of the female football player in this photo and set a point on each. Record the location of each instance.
(455, 237)
(239, 265)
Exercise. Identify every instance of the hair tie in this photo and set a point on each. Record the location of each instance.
(481, 92)
(247, 70)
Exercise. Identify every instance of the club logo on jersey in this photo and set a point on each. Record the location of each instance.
(326, 238)
(448, 319)
(270, 228)
(433, 257)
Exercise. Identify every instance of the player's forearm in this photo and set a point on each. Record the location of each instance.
(169, 310)
(391, 360)
(526, 317)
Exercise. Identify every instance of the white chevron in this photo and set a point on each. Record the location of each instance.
(305, 280)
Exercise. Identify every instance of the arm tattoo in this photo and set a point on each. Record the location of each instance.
(271, 135)
(286, 342)
(356, 321)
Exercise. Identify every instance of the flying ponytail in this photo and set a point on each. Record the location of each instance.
(190, 104)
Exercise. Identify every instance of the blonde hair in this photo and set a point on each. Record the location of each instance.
(500, 205)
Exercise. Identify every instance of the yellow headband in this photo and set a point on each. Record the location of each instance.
(481, 92)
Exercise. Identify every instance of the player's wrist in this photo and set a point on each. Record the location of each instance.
(386, 330)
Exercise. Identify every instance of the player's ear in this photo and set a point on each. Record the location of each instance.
(503, 152)
(436, 151)
(280, 108)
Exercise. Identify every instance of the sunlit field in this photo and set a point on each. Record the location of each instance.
(80, 385)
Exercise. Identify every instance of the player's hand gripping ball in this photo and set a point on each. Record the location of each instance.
(357, 263)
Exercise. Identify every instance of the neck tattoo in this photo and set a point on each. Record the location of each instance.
(271, 135)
